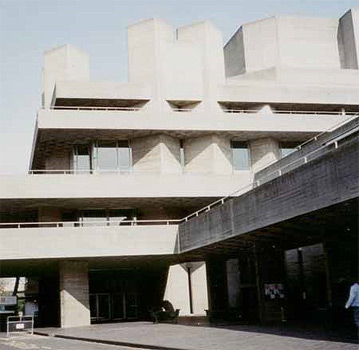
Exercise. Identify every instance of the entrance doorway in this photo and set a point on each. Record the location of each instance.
(113, 306)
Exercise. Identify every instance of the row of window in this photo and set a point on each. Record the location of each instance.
(108, 155)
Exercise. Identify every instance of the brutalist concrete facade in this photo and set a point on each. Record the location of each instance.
(115, 167)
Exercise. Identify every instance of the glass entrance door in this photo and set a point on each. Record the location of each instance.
(100, 308)
(117, 306)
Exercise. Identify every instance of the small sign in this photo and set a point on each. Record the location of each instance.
(274, 291)
(20, 326)
(10, 300)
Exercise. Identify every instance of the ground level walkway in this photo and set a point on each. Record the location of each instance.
(146, 335)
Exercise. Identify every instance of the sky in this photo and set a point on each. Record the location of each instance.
(30, 27)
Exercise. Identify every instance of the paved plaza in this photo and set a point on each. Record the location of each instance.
(175, 336)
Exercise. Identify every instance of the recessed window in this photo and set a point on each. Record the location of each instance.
(182, 161)
(287, 148)
(240, 155)
(110, 217)
(82, 158)
(103, 155)
(106, 156)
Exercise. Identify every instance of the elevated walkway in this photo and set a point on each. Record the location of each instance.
(320, 182)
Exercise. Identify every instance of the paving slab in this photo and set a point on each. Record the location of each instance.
(181, 337)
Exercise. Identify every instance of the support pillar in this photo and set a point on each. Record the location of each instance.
(74, 294)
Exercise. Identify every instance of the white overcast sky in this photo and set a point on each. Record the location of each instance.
(29, 27)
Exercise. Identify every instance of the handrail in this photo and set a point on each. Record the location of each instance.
(96, 108)
(81, 171)
(226, 110)
(95, 223)
(252, 111)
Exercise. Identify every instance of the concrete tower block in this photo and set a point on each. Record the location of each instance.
(74, 294)
(63, 63)
(283, 41)
(147, 41)
(348, 39)
(208, 154)
(263, 152)
(207, 37)
(158, 153)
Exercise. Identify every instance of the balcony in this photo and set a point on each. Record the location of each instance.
(122, 186)
(134, 122)
(40, 240)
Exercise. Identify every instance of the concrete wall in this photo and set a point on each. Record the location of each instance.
(178, 288)
(59, 159)
(283, 41)
(74, 294)
(87, 121)
(348, 40)
(159, 153)
(121, 186)
(323, 182)
(263, 152)
(63, 63)
(49, 214)
(72, 242)
(234, 57)
(210, 154)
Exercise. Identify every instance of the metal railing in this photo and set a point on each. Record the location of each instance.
(19, 324)
(95, 223)
(226, 110)
(273, 111)
(96, 108)
(80, 172)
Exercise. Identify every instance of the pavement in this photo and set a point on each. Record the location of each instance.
(36, 342)
(164, 336)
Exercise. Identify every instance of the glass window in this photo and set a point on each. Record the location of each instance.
(82, 157)
(106, 155)
(124, 155)
(287, 148)
(240, 154)
(110, 155)
(182, 161)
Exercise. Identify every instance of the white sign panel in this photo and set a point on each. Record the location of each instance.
(11, 300)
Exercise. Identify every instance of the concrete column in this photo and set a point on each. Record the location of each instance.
(186, 288)
(199, 287)
(59, 159)
(159, 153)
(217, 285)
(74, 294)
(208, 154)
(233, 283)
(263, 152)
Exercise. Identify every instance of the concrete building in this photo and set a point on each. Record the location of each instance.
(115, 167)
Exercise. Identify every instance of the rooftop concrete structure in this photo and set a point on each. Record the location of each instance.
(116, 166)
